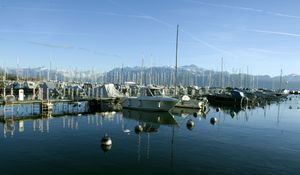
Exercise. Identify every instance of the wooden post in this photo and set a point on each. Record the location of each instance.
(93, 92)
(33, 93)
(47, 93)
(72, 94)
(77, 93)
(97, 93)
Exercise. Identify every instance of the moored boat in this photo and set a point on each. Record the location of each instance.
(150, 98)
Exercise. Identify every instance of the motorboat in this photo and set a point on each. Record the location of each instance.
(235, 97)
(150, 98)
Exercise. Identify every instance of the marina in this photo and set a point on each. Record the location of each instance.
(149, 87)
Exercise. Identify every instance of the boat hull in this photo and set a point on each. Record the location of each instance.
(149, 103)
(224, 100)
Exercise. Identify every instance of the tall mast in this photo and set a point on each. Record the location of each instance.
(280, 86)
(222, 81)
(142, 70)
(175, 78)
(17, 72)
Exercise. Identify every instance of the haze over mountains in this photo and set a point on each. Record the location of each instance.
(163, 75)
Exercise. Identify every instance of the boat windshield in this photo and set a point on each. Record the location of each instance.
(153, 92)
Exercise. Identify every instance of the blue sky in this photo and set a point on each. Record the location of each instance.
(263, 35)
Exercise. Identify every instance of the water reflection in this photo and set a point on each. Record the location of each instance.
(33, 109)
(150, 120)
(149, 123)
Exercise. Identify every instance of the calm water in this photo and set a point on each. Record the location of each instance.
(255, 141)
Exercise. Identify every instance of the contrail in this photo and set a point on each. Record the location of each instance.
(147, 17)
(192, 36)
(51, 45)
(248, 9)
(49, 33)
(207, 44)
(61, 46)
(274, 32)
(270, 51)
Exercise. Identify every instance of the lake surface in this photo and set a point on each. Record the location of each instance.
(254, 141)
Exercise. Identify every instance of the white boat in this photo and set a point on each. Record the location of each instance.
(150, 99)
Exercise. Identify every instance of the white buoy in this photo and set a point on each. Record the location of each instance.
(190, 124)
(218, 109)
(106, 140)
(138, 129)
(213, 120)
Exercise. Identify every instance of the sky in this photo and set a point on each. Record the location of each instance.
(262, 36)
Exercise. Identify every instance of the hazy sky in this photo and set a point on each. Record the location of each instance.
(101, 34)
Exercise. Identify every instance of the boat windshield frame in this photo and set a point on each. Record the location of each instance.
(151, 92)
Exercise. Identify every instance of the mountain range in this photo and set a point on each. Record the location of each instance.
(188, 75)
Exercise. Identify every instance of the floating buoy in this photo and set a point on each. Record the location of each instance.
(218, 109)
(232, 114)
(106, 140)
(195, 114)
(190, 124)
(138, 129)
(213, 120)
(290, 107)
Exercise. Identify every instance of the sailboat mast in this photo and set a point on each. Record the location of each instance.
(142, 71)
(222, 81)
(280, 86)
(175, 79)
